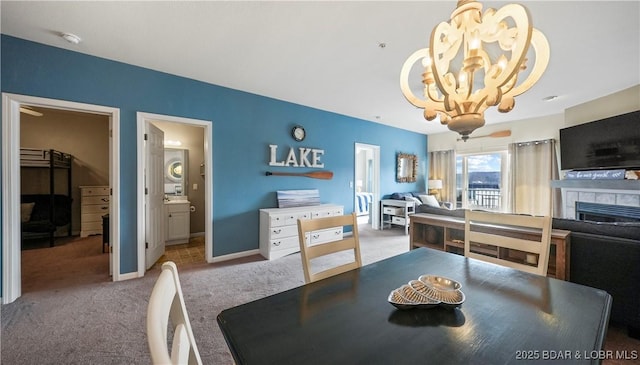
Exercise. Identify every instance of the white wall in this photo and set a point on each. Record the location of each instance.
(621, 102)
(83, 135)
(624, 101)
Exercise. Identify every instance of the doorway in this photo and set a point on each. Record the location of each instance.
(367, 184)
(64, 184)
(196, 137)
(11, 223)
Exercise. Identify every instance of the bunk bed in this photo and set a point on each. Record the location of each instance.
(42, 214)
(363, 200)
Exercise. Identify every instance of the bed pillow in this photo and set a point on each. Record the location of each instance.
(430, 200)
(417, 201)
(25, 212)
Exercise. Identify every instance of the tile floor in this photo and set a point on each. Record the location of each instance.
(185, 253)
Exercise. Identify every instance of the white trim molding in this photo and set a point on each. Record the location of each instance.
(233, 256)
(142, 119)
(11, 252)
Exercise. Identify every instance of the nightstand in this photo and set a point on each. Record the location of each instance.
(396, 212)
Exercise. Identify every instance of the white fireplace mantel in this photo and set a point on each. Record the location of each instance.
(632, 185)
(613, 192)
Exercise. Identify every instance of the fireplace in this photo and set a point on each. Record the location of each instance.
(599, 200)
(606, 212)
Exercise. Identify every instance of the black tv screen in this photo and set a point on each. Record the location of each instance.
(611, 143)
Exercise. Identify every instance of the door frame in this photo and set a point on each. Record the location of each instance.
(142, 119)
(11, 250)
(375, 204)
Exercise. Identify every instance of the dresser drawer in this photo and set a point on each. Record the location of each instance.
(95, 200)
(92, 226)
(398, 220)
(91, 217)
(283, 231)
(95, 190)
(278, 220)
(393, 211)
(89, 209)
(285, 243)
(327, 213)
(325, 235)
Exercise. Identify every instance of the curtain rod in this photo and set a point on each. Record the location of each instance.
(519, 144)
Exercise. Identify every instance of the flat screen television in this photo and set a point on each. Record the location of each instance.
(611, 143)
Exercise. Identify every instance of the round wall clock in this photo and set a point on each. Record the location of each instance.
(298, 133)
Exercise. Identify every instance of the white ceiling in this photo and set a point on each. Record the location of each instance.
(326, 55)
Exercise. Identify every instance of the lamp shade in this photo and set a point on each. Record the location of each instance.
(435, 184)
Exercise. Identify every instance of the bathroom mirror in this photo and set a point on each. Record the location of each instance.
(407, 168)
(176, 171)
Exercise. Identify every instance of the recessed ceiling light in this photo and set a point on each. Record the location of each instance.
(549, 98)
(71, 38)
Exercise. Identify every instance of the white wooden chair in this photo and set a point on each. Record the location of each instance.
(167, 303)
(480, 228)
(310, 252)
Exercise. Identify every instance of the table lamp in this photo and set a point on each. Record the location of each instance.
(434, 186)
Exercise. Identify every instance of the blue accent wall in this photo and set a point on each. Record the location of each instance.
(244, 125)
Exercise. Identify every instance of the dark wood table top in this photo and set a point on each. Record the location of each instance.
(508, 317)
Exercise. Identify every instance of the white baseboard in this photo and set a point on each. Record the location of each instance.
(233, 256)
(128, 276)
(197, 234)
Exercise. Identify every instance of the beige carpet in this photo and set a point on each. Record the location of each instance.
(72, 313)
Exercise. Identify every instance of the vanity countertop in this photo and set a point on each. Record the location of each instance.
(177, 202)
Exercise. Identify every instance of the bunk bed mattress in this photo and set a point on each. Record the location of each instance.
(362, 203)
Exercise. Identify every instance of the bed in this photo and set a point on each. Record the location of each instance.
(41, 214)
(363, 201)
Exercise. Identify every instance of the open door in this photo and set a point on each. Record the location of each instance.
(367, 184)
(154, 194)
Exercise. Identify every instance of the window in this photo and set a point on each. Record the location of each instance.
(481, 181)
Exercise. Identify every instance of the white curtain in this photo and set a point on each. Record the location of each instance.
(442, 166)
(533, 165)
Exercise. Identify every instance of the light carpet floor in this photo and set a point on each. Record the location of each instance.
(71, 315)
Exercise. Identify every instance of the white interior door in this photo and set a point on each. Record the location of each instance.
(154, 194)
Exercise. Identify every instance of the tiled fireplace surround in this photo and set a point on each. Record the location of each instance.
(625, 192)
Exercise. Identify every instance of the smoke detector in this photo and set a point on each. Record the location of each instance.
(71, 38)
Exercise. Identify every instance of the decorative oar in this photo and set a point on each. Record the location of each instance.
(325, 175)
(498, 134)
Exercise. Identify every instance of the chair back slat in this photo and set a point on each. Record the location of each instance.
(486, 239)
(166, 306)
(309, 252)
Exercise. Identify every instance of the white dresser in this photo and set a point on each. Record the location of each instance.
(279, 228)
(178, 222)
(94, 203)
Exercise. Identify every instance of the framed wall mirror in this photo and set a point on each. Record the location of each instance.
(407, 168)
(176, 171)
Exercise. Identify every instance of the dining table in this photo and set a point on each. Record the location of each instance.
(506, 316)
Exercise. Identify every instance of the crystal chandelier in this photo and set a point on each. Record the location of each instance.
(474, 62)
